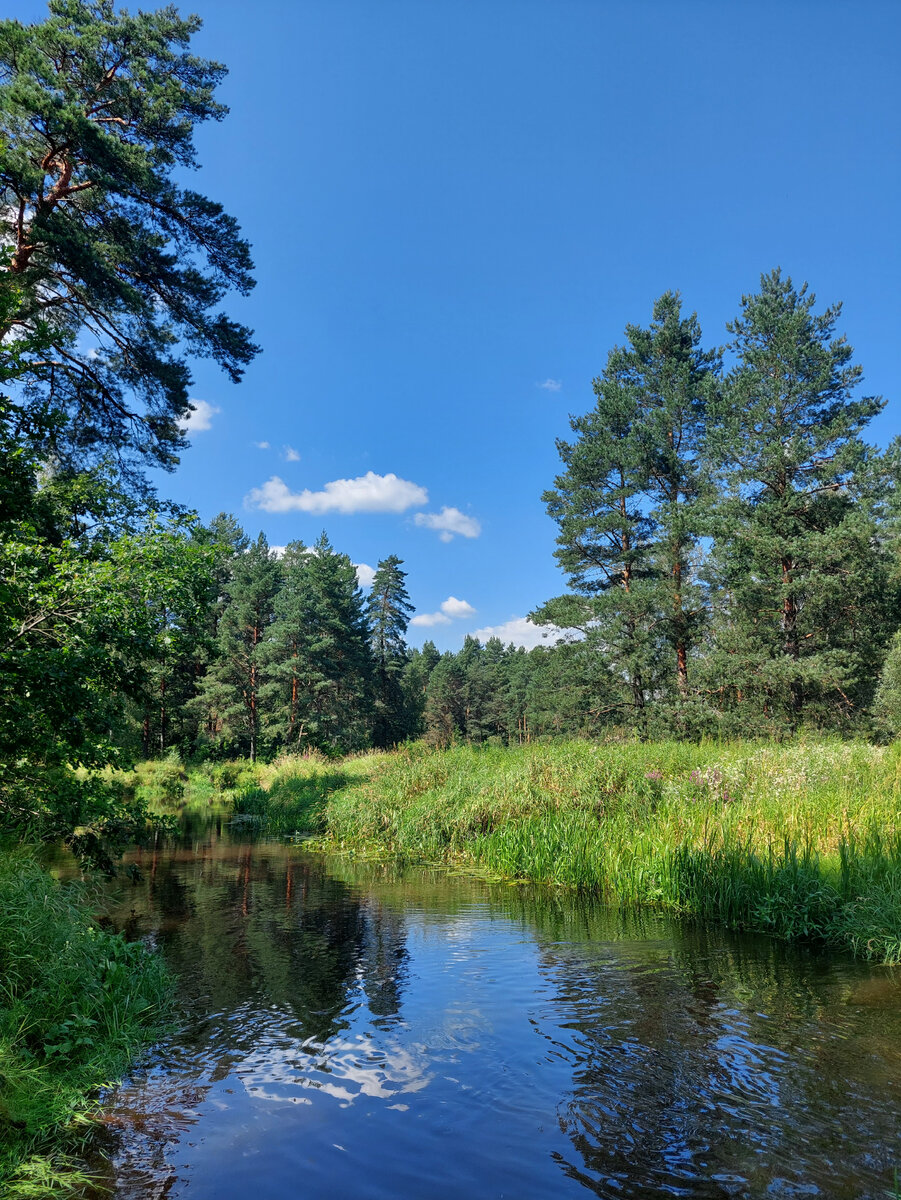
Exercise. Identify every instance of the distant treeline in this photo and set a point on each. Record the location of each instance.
(285, 652)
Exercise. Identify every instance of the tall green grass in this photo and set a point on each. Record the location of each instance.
(800, 840)
(76, 1004)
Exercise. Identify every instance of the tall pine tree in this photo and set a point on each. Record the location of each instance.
(233, 685)
(605, 538)
(800, 624)
(627, 506)
(319, 663)
(388, 613)
(117, 267)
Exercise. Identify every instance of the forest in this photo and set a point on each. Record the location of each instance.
(730, 539)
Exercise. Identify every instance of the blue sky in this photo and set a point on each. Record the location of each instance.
(457, 205)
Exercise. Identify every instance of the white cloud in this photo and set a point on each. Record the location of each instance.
(366, 493)
(289, 454)
(448, 522)
(278, 551)
(551, 385)
(426, 620)
(200, 418)
(451, 609)
(365, 574)
(262, 445)
(521, 632)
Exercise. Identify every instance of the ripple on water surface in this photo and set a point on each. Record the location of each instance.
(355, 1030)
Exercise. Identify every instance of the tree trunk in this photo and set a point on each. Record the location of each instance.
(162, 717)
(791, 645)
(679, 622)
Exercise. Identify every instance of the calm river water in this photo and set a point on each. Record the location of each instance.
(363, 1031)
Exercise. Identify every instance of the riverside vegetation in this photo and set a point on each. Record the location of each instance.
(802, 841)
(76, 1004)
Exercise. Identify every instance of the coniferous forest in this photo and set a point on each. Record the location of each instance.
(729, 537)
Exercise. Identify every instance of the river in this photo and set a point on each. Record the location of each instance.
(363, 1030)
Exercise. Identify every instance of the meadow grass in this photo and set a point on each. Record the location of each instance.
(76, 1004)
(799, 840)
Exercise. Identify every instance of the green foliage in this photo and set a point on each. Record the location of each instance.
(723, 536)
(76, 1003)
(887, 703)
(320, 663)
(114, 268)
(802, 618)
(80, 622)
(231, 689)
(502, 694)
(295, 799)
(627, 505)
(388, 613)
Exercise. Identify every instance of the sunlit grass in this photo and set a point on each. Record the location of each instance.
(799, 840)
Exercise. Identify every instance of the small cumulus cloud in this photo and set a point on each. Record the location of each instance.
(200, 418)
(521, 632)
(366, 493)
(427, 620)
(451, 609)
(365, 574)
(278, 551)
(550, 385)
(289, 454)
(448, 522)
(262, 445)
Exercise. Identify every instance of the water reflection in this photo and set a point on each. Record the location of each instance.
(357, 1030)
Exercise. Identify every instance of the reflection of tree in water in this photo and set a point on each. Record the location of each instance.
(384, 959)
(709, 1066)
(273, 956)
(257, 927)
(689, 1062)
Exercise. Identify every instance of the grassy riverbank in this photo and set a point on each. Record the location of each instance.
(801, 841)
(76, 1005)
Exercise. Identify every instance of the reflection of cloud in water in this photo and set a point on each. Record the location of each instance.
(342, 1068)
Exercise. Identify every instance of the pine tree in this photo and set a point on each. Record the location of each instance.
(627, 508)
(320, 656)
(445, 705)
(605, 537)
(415, 685)
(287, 648)
(388, 613)
(117, 267)
(674, 379)
(232, 687)
(800, 620)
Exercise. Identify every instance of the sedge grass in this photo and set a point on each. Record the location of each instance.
(799, 840)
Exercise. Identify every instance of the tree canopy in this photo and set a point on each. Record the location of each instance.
(113, 272)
